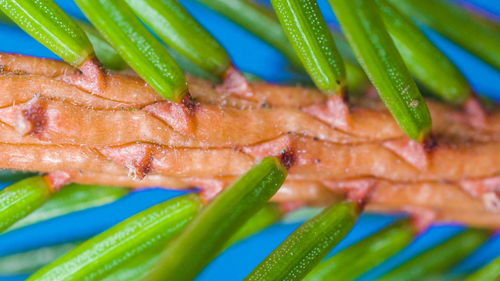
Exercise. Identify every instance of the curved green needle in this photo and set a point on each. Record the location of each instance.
(307, 245)
(313, 42)
(365, 255)
(137, 46)
(490, 272)
(258, 20)
(458, 24)
(20, 199)
(377, 54)
(51, 26)
(439, 259)
(179, 30)
(424, 60)
(219, 221)
(148, 229)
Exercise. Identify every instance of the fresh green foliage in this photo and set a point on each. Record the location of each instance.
(137, 46)
(106, 54)
(351, 263)
(103, 51)
(219, 221)
(72, 198)
(130, 250)
(49, 24)
(5, 19)
(308, 245)
(375, 50)
(457, 24)
(262, 22)
(439, 259)
(313, 42)
(424, 60)
(342, 44)
(176, 27)
(138, 267)
(257, 19)
(20, 199)
(490, 272)
(99, 255)
(10, 175)
(302, 214)
(30, 261)
(192, 69)
(266, 216)
(357, 82)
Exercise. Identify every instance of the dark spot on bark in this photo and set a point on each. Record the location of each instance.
(317, 161)
(195, 189)
(35, 114)
(189, 103)
(362, 204)
(265, 104)
(345, 97)
(430, 143)
(140, 168)
(287, 158)
(145, 169)
(2, 68)
(315, 139)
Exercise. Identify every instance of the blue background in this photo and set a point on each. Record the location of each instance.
(254, 56)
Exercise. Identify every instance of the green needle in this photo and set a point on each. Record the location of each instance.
(424, 60)
(439, 259)
(490, 272)
(307, 245)
(20, 199)
(366, 254)
(457, 24)
(313, 42)
(50, 25)
(72, 198)
(106, 251)
(178, 29)
(219, 221)
(137, 46)
(377, 54)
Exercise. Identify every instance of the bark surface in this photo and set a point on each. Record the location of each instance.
(127, 135)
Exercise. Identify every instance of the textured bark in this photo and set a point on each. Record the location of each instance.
(127, 135)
